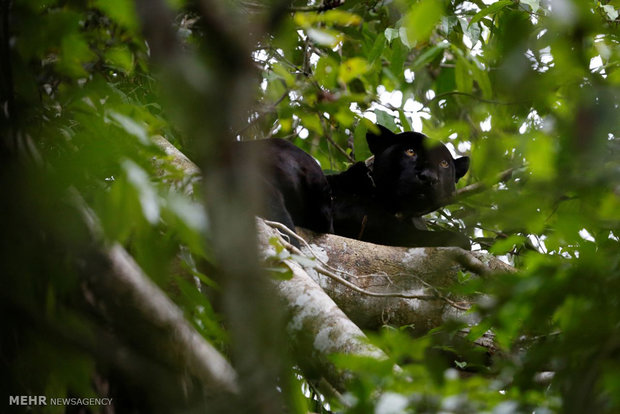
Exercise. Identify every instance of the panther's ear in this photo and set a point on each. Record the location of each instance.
(461, 165)
(379, 142)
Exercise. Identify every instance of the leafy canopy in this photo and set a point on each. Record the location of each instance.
(531, 86)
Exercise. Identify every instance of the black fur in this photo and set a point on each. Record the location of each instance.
(296, 190)
(408, 178)
(381, 204)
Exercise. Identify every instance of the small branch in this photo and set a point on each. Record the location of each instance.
(481, 186)
(270, 108)
(332, 142)
(126, 287)
(324, 6)
(126, 280)
(469, 95)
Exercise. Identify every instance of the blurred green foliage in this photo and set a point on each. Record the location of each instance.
(532, 86)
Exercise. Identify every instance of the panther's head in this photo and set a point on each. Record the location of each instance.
(413, 174)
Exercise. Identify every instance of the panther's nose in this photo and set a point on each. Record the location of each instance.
(428, 177)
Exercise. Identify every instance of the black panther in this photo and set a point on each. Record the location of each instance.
(382, 201)
(379, 202)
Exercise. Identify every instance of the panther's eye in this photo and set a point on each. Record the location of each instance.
(409, 152)
(444, 164)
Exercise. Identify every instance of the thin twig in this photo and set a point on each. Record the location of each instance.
(480, 186)
(469, 95)
(324, 6)
(331, 140)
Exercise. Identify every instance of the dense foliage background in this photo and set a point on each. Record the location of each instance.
(532, 86)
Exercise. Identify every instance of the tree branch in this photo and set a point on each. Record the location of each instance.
(125, 284)
(478, 187)
(317, 325)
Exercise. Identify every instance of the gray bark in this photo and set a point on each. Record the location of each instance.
(425, 275)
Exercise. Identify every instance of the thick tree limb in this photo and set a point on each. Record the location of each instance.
(127, 284)
(122, 292)
(318, 327)
(408, 286)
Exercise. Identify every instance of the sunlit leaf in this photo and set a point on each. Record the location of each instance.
(120, 58)
(611, 11)
(324, 37)
(130, 126)
(332, 17)
(402, 35)
(351, 69)
(429, 54)
(422, 19)
(534, 4)
(148, 196)
(493, 8)
(122, 11)
(284, 74)
(462, 75)
(387, 120)
(391, 34)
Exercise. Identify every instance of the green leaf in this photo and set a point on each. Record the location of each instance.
(307, 262)
(330, 17)
(429, 55)
(506, 245)
(324, 37)
(326, 72)
(339, 17)
(390, 34)
(120, 58)
(190, 213)
(404, 121)
(75, 52)
(462, 76)
(387, 120)
(611, 11)
(345, 117)
(540, 154)
(534, 4)
(284, 74)
(129, 125)
(147, 194)
(359, 140)
(470, 30)
(352, 68)
(493, 8)
(398, 56)
(481, 77)
(312, 122)
(448, 23)
(422, 19)
(402, 35)
(121, 11)
(377, 48)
